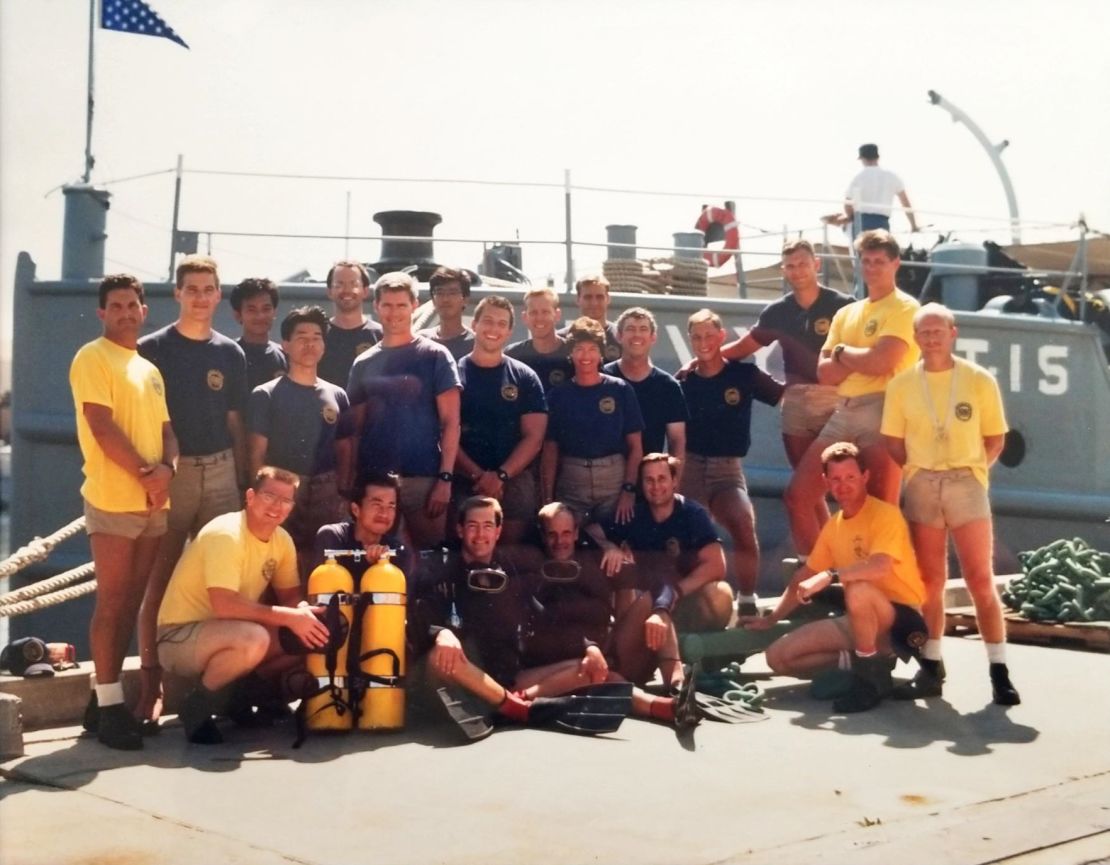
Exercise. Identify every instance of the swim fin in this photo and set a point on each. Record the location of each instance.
(588, 711)
(465, 711)
(726, 711)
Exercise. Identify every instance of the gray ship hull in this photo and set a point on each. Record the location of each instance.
(1054, 480)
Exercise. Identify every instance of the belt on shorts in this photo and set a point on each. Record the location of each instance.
(318, 480)
(206, 459)
(943, 474)
(862, 399)
(596, 462)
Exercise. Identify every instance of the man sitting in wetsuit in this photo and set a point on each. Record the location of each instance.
(471, 607)
(572, 608)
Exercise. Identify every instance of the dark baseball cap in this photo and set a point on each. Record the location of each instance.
(908, 632)
(27, 657)
(869, 151)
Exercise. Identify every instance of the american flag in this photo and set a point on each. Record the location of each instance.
(134, 16)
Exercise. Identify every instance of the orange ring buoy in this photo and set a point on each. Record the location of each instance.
(727, 220)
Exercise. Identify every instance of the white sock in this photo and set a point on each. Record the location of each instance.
(844, 660)
(110, 694)
(870, 654)
(996, 652)
(931, 651)
(747, 599)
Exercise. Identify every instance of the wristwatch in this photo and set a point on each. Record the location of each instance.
(503, 476)
(628, 488)
(837, 351)
(446, 476)
(834, 575)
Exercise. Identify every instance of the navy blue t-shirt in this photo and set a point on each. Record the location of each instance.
(554, 368)
(592, 422)
(341, 536)
(665, 551)
(299, 423)
(721, 408)
(459, 346)
(265, 361)
(612, 340)
(205, 379)
(341, 346)
(661, 402)
(800, 332)
(493, 401)
(686, 530)
(399, 386)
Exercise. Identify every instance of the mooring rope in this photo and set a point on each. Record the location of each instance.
(58, 597)
(38, 549)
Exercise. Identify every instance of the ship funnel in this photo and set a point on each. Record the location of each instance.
(84, 233)
(397, 254)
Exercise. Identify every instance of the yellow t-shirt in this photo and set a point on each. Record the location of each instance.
(879, 527)
(966, 405)
(225, 555)
(861, 324)
(105, 373)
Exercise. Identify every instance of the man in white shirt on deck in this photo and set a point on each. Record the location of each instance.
(870, 195)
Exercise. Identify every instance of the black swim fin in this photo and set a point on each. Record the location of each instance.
(466, 712)
(589, 711)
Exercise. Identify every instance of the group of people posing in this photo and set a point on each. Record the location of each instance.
(559, 503)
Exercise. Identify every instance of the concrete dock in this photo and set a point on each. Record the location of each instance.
(951, 780)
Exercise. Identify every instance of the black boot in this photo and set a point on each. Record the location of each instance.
(197, 717)
(872, 683)
(1005, 694)
(91, 720)
(928, 681)
(117, 728)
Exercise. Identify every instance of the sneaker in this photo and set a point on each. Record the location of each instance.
(117, 728)
(1005, 694)
(928, 681)
(196, 718)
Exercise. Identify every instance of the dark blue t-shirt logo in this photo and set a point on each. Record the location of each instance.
(329, 414)
(509, 393)
(821, 326)
(607, 404)
(215, 379)
(732, 396)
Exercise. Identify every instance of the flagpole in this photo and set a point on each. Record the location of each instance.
(89, 104)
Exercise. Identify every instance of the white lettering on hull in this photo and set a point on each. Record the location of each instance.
(1052, 371)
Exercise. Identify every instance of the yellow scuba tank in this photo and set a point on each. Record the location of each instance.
(331, 585)
(382, 647)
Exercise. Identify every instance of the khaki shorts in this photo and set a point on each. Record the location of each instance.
(705, 477)
(128, 524)
(414, 495)
(590, 487)
(947, 499)
(177, 648)
(856, 419)
(203, 489)
(806, 408)
(519, 499)
(317, 503)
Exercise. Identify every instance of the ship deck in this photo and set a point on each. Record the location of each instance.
(950, 780)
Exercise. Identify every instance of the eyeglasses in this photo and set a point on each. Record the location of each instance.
(271, 499)
(447, 292)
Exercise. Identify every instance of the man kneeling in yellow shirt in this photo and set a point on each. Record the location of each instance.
(866, 547)
(211, 624)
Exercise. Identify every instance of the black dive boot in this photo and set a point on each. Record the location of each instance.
(197, 717)
(928, 681)
(1005, 694)
(872, 683)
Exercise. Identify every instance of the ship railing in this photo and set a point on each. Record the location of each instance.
(941, 222)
